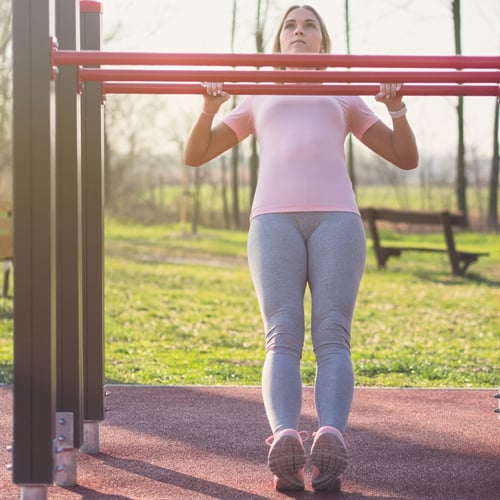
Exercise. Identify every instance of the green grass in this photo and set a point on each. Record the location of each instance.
(181, 309)
(164, 203)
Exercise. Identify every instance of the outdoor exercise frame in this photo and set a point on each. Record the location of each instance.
(59, 90)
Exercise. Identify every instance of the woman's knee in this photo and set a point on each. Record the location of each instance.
(331, 337)
(285, 338)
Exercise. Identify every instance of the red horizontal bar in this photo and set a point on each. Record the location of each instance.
(304, 89)
(90, 6)
(130, 75)
(97, 58)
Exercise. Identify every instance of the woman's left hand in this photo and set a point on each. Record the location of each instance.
(389, 95)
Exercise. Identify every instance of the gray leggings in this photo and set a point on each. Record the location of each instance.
(287, 251)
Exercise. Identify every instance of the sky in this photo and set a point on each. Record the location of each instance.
(393, 27)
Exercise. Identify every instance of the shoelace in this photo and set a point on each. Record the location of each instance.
(304, 436)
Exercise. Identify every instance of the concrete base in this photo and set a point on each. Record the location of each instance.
(34, 492)
(90, 444)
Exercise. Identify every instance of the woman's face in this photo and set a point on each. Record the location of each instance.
(301, 32)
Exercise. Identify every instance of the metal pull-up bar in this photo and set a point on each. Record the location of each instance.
(93, 58)
(422, 75)
(305, 89)
(289, 76)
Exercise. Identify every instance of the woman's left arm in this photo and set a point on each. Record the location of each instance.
(397, 145)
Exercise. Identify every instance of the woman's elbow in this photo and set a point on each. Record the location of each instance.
(190, 160)
(191, 163)
(409, 161)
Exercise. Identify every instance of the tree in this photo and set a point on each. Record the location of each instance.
(5, 98)
(259, 46)
(132, 123)
(235, 184)
(461, 179)
(492, 215)
(225, 204)
(350, 148)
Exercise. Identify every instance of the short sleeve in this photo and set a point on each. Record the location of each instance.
(240, 119)
(361, 117)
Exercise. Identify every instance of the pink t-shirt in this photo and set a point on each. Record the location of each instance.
(301, 145)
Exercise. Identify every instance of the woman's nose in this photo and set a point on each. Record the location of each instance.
(299, 30)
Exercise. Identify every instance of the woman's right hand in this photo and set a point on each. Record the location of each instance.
(207, 141)
(214, 96)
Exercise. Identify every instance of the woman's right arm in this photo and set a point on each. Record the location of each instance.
(204, 142)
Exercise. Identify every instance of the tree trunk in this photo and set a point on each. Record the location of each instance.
(235, 184)
(254, 169)
(5, 100)
(108, 192)
(225, 205)
(350, 148)
(184, 199)
(492, 216)
(196, 202)
(259, 46)
(461, 180)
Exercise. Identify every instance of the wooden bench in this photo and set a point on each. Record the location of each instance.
(6, 245)
(459, 260)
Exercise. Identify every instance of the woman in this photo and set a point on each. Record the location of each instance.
(305, 230)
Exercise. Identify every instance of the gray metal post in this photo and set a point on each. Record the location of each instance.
(93, 235)
(69, 238)
(34, 247)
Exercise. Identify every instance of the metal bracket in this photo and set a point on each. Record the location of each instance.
(10, 449)
(54, 45)
(64, 452)
(106, 394)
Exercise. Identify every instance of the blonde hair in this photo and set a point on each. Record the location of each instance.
(326, 42)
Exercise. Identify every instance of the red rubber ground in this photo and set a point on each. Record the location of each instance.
(208, 442)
